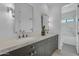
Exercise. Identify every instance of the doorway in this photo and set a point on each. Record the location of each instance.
(68, 29)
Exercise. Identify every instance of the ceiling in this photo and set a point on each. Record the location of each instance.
(56, 4)
(46, 6)
(50, 4)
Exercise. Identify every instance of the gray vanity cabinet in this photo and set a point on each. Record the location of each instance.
(47, 46)
(42, 48)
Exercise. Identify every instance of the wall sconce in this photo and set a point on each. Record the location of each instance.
(9, 9)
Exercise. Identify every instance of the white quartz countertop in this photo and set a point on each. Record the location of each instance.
(7, 45)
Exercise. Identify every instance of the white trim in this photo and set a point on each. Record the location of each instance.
(76, 30)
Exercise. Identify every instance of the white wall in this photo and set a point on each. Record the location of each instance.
(37, 19)
(6, 23)
(55, 19)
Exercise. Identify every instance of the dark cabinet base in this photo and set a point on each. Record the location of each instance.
(47, 47)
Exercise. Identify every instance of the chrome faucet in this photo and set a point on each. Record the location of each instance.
(22, 34)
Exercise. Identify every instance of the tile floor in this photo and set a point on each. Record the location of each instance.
(68, 50)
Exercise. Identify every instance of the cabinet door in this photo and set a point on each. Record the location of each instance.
(53, 43)
(43, 50)
(47, 46)
(40, 47)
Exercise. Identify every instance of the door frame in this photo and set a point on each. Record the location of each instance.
(61, 42)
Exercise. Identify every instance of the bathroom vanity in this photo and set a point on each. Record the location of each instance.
(25, 21)
(37, 46)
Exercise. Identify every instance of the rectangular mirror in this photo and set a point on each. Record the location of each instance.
(44, 21)
(23, 17)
